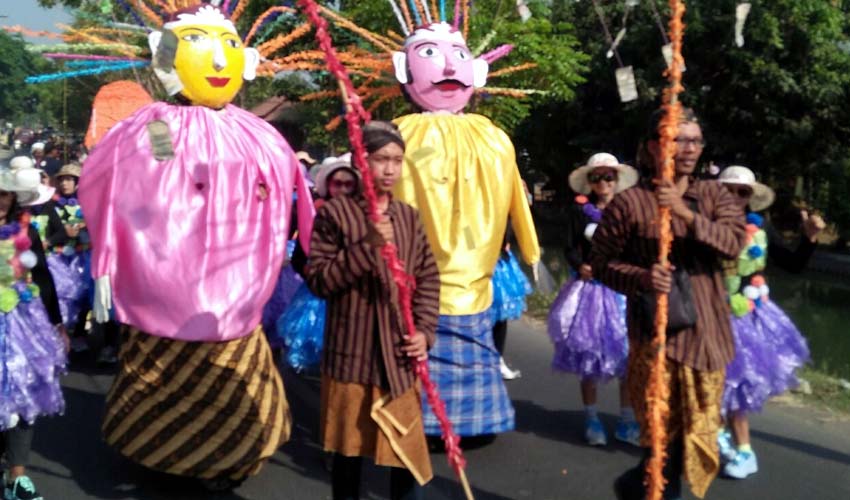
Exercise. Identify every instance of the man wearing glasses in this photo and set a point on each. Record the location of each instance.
(708, 226)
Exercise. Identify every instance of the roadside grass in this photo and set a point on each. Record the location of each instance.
(827, 391)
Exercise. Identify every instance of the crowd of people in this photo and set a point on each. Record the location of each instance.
(206, 239)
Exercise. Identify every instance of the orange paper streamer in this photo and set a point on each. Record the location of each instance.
(262, 17)
(270, 47)
(658, 390)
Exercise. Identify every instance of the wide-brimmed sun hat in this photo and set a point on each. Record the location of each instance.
(626, 175)
(762, 196)
(23, 182)
(328, 167)
(24, 164)
(70, 170)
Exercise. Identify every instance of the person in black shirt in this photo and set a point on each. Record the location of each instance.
(587, 319)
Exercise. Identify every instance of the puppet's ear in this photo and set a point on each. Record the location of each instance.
(400, 65)
(252, 60)
(480, 69)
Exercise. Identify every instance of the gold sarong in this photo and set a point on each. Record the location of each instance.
(197, 409)
(695, 398)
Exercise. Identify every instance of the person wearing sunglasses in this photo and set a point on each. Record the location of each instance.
(300, 327)
(586, 322)
(768, 347)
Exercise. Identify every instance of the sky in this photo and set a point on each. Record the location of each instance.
(27, 13)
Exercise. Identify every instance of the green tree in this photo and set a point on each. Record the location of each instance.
(15, 65)
(777, 104)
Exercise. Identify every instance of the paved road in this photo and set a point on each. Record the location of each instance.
(803, 453)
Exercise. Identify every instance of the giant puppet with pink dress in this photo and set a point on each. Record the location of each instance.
(188, 204)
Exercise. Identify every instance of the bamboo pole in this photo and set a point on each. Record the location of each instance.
(658, 389)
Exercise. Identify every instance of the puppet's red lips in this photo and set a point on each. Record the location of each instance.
(447, 85)
(218, 82)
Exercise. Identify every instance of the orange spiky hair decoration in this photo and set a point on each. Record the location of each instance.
(105, 45)
(376, 82)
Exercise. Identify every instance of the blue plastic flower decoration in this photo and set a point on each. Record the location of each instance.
(755, 219)
(755, 252)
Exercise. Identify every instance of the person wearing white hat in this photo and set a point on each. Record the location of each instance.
(586, 320)
(301, 324)
(768, 347)
(37, 152)
(34, 341)
(336, 177)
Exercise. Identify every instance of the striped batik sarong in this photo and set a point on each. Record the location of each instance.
(464, 363)
(197, 409)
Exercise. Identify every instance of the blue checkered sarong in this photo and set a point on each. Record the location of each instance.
(464, 364)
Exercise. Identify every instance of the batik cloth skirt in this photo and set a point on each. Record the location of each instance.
(464, 363)
(510, 287)
(587, 325)
(301, 330)
(768, 351)
(694, 417)
(198, 409)
(32, 357)
(73, 283)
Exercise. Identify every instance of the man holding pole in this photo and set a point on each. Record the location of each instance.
(707, 226)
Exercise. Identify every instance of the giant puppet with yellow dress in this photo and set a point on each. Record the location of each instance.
(462, 176)
(188, 204)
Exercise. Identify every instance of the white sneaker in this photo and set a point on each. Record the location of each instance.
(507, 373)
(743, 465)
(727, 449)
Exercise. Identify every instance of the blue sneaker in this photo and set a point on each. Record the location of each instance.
(594, 432)
(628, 432)
(743, 465)
(21, 489)
(727, 450)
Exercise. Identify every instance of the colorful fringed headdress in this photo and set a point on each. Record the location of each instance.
(377, 79)
(103, 44)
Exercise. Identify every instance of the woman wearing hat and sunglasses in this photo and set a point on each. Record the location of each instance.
(67, 243)
(768, 347)
(301, 326)
(33, 342)
(587, 319)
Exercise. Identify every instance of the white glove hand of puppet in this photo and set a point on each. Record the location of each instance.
(102, 299)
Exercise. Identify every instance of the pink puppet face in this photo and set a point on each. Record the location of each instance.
(438, 70)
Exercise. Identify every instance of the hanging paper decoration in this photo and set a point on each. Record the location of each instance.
(741, 12)
(626, 84)
(667, 53)
(523, 10)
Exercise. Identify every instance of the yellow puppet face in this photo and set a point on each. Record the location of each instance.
(210, 62)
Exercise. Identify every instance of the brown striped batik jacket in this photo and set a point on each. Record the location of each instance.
(626, 245)
(363, 332)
